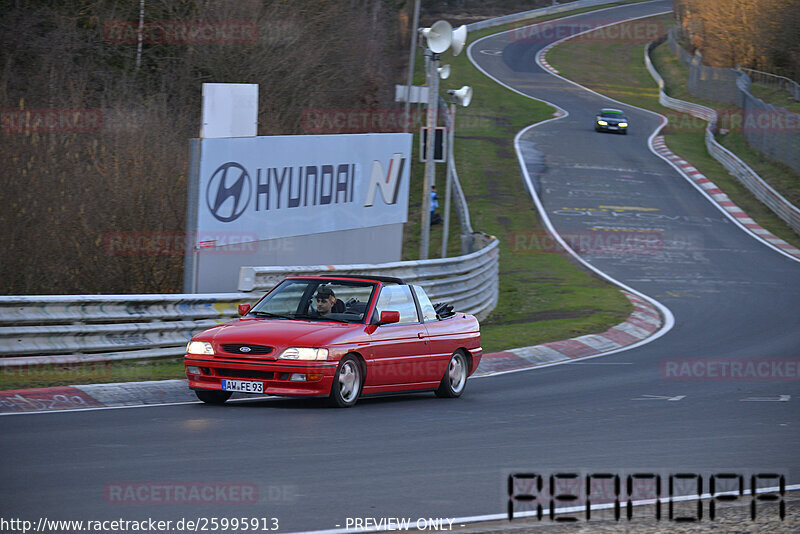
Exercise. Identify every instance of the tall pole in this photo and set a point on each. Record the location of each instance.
(411, 55)
(449, 179)
(430, 165)
(139, 36)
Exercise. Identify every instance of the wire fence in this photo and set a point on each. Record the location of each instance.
(773, 81)
(749, 178)
(773, 131)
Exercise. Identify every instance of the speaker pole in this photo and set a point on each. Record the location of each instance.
(430, 165)
(411, 65)
(449, 178)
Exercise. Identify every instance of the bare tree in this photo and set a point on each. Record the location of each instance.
(80, 205)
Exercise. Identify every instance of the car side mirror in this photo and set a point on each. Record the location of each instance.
(243, 309)
(389, 317)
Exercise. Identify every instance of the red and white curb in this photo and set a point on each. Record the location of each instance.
(722, 199)
(543, 59)
(643, 322)
(94, 396)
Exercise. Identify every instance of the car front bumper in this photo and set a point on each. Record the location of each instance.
(276, 376)
(611, 128)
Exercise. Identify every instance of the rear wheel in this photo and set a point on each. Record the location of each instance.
(347, 383)
(455, 378)
(213, 397)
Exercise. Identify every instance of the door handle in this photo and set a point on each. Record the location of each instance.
(420, 335)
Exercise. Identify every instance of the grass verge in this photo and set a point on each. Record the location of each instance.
(544, 296)
(776, 97)
(40, 376)
(676, 76)
(584, 62)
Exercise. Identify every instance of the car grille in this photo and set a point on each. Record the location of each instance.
(255, 350)
(245, 373)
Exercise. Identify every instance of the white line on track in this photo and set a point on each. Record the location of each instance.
(539, 61)
(669, 319)
(462, 521)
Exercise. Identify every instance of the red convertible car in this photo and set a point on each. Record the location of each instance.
(336, 336)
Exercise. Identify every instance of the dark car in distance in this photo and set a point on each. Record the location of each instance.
(611, 120)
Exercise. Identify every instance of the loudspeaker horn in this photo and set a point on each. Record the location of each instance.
(439, 36)
(444, 72)
(461, 96)
(459, 39)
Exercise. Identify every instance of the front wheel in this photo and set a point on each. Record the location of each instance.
(347, 383)
(455, 378)
(213, 397)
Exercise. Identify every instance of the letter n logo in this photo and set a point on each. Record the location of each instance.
(389, 182)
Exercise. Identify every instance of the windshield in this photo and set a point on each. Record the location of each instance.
(612, 114)
(317, 300)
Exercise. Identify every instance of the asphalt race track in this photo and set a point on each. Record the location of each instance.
(415, 456)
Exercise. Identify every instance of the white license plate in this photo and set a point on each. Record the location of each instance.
(244, 386)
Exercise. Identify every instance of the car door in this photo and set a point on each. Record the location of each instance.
(400, 351)
(442, 336)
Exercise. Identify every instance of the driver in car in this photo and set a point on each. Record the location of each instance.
(327, 301)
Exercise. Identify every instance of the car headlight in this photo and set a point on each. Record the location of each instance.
(303, 353)
(199, 347)
(623, 125)
(602, 123)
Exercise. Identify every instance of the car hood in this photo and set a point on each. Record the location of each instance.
(281, 333)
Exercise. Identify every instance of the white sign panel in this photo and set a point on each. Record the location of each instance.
(417, 95)
(230, 110)
(281, 186)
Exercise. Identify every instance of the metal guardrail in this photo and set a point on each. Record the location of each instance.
(75, 329)
(470, 283)
(526, 15)
(773, 131)
(53, 329)
(747, 176)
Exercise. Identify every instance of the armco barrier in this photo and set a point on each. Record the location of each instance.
(74, 329)
(784, 209)
(771, 130)
(469, 283)
(54, 329)
(534, 13)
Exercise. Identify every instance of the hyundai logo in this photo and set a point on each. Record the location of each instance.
(228, 192)
(244, 349)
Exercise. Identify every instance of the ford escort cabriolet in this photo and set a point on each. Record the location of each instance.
(339, 337)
